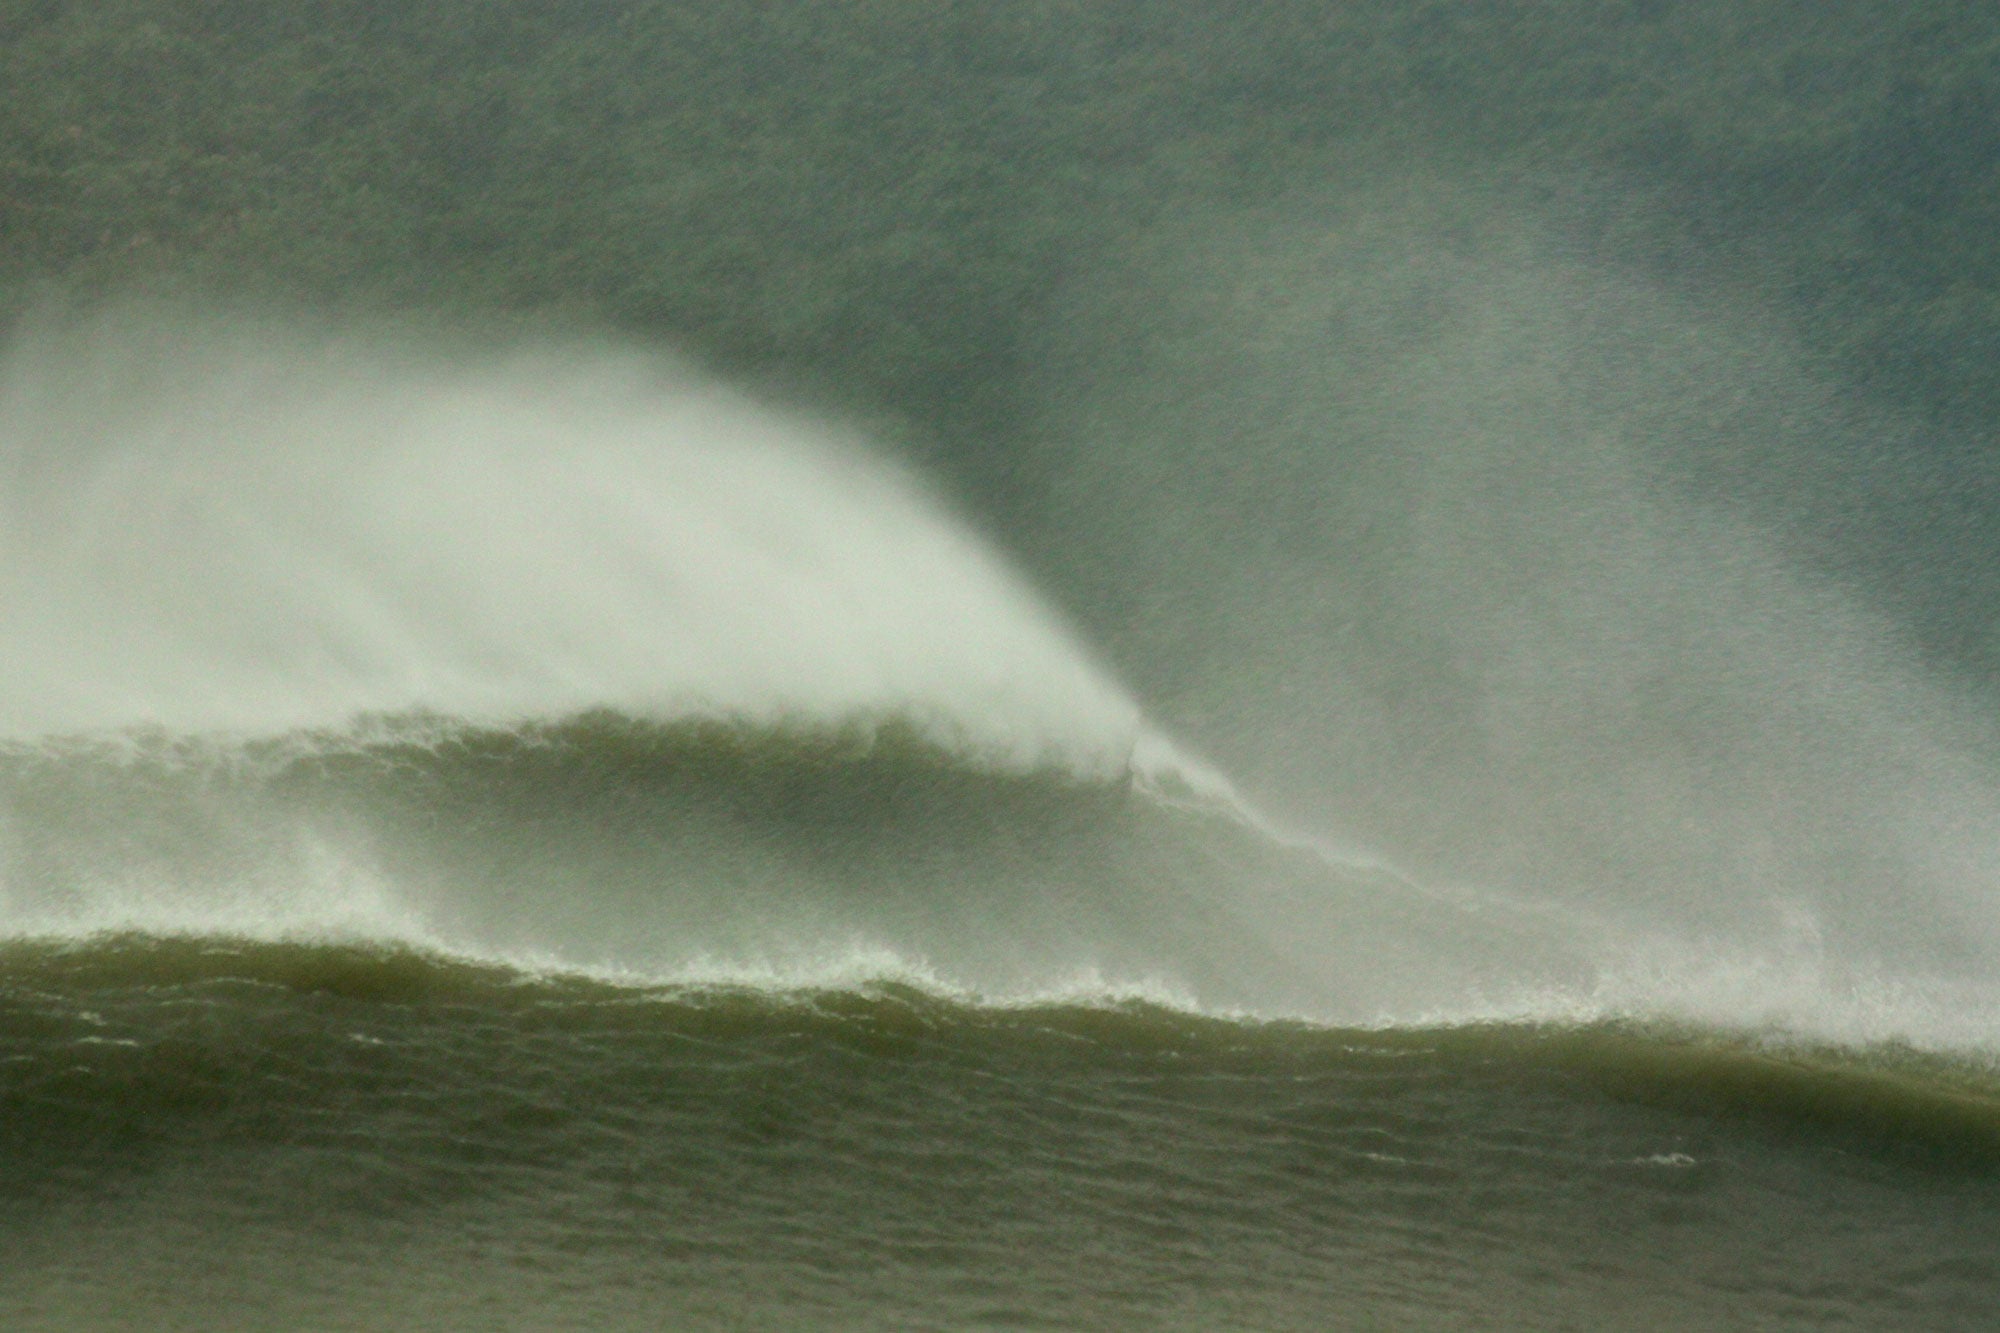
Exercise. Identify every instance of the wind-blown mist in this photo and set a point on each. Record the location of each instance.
(254, 530)
(1453, 536)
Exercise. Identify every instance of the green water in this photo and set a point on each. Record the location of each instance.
(229, 1135)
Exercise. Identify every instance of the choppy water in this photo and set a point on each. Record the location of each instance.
(556, 848)
(209, 1134)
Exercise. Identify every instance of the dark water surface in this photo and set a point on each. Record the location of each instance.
(216, 1134)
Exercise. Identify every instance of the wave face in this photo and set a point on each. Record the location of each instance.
(723, 852)
(538, 840)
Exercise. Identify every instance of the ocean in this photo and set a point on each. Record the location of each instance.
(537, 840)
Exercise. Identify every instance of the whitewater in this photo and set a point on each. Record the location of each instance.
(542, 800)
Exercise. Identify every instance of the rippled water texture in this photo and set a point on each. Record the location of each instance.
(206, 1135)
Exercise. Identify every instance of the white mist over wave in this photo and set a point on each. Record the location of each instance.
(243, 533)
(252, 530)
